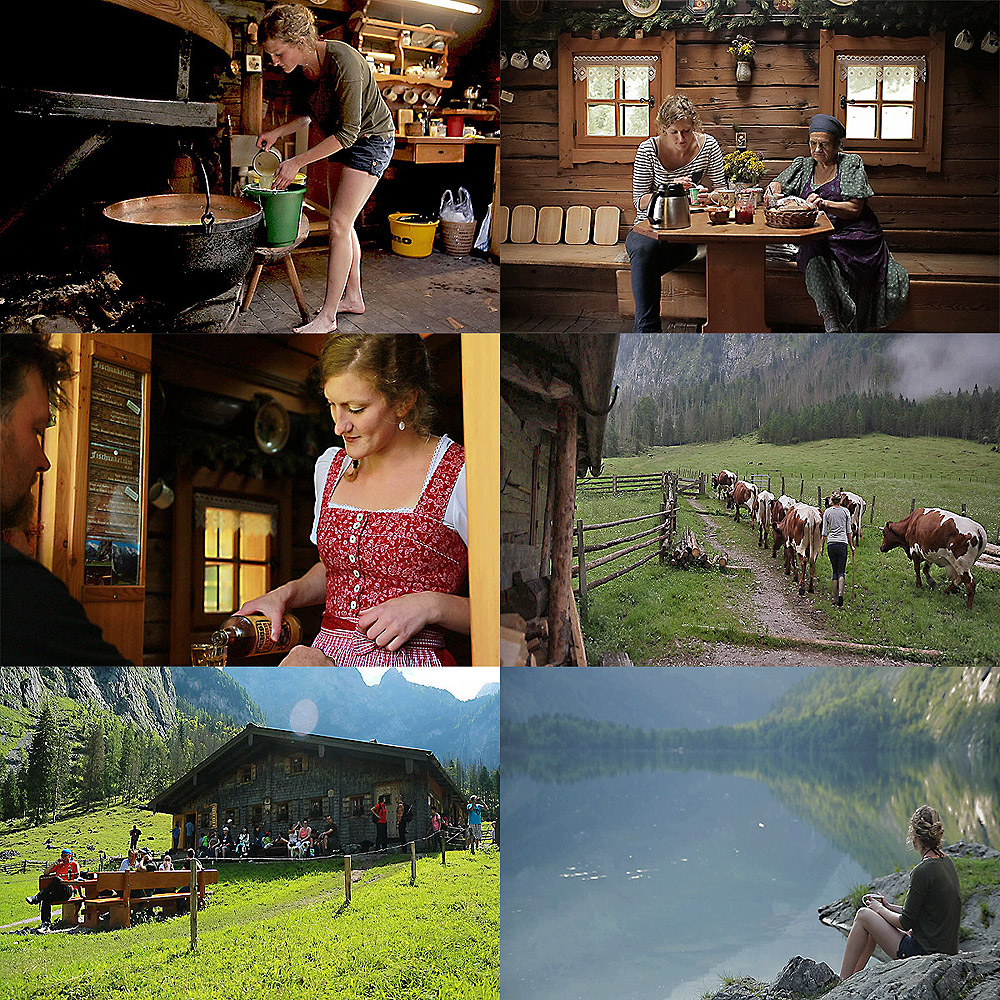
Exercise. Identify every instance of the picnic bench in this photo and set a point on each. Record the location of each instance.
(557, 256)
(119, 893)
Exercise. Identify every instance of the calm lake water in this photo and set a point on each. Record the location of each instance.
(651, 877)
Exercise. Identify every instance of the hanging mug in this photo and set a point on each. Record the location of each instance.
(519, 60)
(964, 40)
(542, 60)
(503, 59)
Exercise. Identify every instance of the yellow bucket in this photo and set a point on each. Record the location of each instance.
(411, 239)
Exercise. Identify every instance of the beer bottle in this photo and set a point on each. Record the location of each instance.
(250, 635)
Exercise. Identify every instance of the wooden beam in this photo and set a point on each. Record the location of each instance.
(114, 110)
(481, 405)
(190, 15)
(564, 503)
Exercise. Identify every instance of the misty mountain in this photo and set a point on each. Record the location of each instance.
(394, 711)
(217, 693)
(669, 698)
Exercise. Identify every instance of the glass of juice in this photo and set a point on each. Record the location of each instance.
(746, 201)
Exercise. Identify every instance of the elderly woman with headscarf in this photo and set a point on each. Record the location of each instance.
(850, 273)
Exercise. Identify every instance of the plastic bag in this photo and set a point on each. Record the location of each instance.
(457, 209)
(483, 239)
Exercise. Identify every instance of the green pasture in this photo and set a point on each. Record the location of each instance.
(650, 611)
(281, 929)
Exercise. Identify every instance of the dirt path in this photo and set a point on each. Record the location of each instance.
(772, 606)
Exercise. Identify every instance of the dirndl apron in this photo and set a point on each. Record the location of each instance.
(374, 556)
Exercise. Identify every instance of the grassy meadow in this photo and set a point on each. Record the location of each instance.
(276, 929)
(651, 611)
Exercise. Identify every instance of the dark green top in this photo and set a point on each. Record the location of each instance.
(345, 101)
(933, 907)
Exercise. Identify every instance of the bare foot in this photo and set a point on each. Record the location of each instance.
(321, 324)
(351, 304)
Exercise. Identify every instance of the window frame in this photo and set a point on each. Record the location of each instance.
(575, 148)
(925, 149)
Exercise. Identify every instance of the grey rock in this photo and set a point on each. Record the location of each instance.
(804, 977)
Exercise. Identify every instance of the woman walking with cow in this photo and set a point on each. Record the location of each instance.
(838, 536)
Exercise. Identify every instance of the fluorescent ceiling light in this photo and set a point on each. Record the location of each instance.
(465, 8)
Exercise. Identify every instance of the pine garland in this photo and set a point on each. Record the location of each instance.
(872, 17)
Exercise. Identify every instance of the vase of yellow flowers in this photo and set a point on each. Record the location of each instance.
(742, 49)
(744, 168)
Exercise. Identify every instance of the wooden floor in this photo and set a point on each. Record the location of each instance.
(431, 294)
(589, 322)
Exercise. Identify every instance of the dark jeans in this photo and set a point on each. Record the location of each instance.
(381, 835)
(57, 891)
(402, 832)
(837, 551)
(650, 260)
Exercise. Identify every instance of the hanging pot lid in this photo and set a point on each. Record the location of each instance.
(271, 427)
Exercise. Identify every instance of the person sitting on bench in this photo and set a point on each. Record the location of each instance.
(59, 890)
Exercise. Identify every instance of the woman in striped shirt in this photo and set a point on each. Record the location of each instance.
(677, 152)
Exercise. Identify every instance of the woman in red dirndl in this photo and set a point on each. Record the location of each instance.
(390, 519)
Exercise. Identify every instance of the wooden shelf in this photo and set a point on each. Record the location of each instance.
(413, 81)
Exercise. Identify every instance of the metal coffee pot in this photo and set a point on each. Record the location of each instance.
(670, 208)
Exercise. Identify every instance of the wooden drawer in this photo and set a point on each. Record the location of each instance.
(426, 152)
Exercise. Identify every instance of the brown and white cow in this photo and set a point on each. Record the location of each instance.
(932, 535)
(856, 507)
(762, 512)
(723, 482)
(802, 530)
(779, 508)
(744, 495)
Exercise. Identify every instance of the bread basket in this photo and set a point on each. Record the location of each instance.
(791, 218)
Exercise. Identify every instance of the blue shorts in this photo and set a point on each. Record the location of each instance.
(371, 153)
(908, 947)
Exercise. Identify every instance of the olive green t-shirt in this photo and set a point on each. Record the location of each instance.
(933, 909)
(345, 101)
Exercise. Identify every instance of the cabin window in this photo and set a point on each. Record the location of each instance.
(281, 811)
(354, 805)
(257, 815)
(609, 92)
(205, 820)
(315, 808)
(236, 542)
(296, 764)
(246, 774)
(889, 92)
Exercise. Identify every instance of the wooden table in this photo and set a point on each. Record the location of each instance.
(734, 265)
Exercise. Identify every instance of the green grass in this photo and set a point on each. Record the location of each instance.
(887, 608)
(283, 929)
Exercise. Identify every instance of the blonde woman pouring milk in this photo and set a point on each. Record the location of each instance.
(332, 85)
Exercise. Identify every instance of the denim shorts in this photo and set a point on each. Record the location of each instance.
(908, 947)
(371, 153)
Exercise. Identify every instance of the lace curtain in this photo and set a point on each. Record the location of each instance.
(581, 62)
(919, 64)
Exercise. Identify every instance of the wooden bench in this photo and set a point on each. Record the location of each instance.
(113, 892)
(949, 292)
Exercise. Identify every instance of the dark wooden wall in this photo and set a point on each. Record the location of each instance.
(955, 210)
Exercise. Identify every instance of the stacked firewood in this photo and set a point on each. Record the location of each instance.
(523, 643)
(688, 552)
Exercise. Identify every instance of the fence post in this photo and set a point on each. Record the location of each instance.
(413, 859)
(802, 488)
(347, 878)
(701, 484)
(444, 845)
(819, 497)
(783, 493)
(582, 563)
(663, 479)
(193, 905)
(913, 505)
(614, 483)
(871, 511)
(963, 510)
(663, 526)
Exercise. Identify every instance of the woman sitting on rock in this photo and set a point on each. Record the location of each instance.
(928, 923)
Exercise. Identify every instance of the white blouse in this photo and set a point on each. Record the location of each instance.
(456, 514)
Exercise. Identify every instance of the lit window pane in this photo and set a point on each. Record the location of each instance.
(601, 83)
(635, 120)
(227, 590)
(860, 122)
(211, 588)
(862, 83)
(253, 582)
(255, 532)
(898, 83)
(211, 533)
(600, 119)
(635, 83)
(897, 121)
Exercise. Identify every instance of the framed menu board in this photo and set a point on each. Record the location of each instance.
(115, 476)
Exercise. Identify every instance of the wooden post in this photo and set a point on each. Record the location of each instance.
(661, 534)
(871, 511)
(581, 560)
(802, 488)
(614, 483)
(783, 486)
(543, 562)
(413, 859)
(913, 504)
(444, 845)
(194, 904)
(561, 588)
(819, 497)
(347, 878)
(701, 484)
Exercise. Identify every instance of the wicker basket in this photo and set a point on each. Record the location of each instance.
(458, 237)
(804, 219)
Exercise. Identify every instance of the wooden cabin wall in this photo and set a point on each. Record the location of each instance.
(955, 210)
(520, 547)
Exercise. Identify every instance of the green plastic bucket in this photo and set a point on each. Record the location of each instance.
(281, 212)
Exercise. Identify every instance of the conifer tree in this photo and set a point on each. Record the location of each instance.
(40, 772)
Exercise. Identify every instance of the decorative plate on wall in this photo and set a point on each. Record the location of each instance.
(641, 8)
(271, 427)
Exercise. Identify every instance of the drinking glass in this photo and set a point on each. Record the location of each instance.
(746, 202)
(207, 654)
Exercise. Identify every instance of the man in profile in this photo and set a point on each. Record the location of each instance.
(41, 623)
